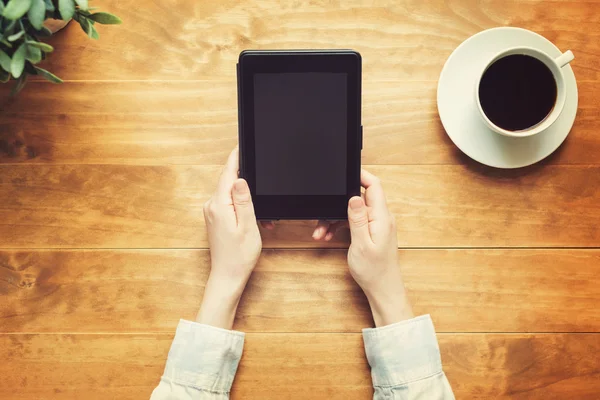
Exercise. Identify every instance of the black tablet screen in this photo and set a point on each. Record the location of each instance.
(300, 133)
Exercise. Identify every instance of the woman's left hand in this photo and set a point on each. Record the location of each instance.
(235, 246)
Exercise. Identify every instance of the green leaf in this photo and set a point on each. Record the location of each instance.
(33, 54)
(19, 85)
(94, 33)
(105, 18)
(1, 7)
(48, 75)
(46, 48)
(16, 36)
(85, 24)
(49, 5)
(15, 9)
(37, 13)
(6, 43)
(66, 8)
(5, 61)
(4, 76)
(18, 61)
(10, 27)
(83, 4)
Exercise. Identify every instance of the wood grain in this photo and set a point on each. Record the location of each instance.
(107, 206)
(102, 182)
(408, 39)
(520, 367)
(187, 123)
(298, 290)
(296, 366)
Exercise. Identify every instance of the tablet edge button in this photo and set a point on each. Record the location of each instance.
(361, 137)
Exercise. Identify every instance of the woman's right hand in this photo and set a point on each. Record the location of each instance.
(373, 254)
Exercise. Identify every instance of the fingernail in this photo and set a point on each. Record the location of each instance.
(356, 203)
(329, 236)
(318, 232)
(240, 186)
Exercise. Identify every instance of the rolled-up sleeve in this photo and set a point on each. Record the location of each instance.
(202, 363)
(405, 361)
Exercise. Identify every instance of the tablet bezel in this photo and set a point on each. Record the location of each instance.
(273, 207)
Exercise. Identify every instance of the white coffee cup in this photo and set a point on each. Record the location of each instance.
(555, 65)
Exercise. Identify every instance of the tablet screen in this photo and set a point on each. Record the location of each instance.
(300, 123)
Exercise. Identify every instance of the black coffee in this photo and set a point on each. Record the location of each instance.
(517, 92)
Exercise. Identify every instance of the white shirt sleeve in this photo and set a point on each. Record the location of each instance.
(405, 361)
(202, 363)
(404, 358)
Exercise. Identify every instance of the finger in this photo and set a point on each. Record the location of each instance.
(227, 178)
(333, 228)
(242, 203)
(270, 225)
(374, 195)
(320, 230)
(367, 179)
(358, 220)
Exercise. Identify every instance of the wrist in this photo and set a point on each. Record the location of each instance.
(220, 301)
(389, 307)
(226, 285)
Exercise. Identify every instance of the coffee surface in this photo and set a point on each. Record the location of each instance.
(517, 92)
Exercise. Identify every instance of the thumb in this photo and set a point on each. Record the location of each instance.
(242, 203)
(358, 220)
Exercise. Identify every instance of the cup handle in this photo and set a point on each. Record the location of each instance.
(564, 58)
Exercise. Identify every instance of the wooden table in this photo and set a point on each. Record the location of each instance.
(102, 181)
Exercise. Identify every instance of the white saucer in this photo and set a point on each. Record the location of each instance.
(460, 116)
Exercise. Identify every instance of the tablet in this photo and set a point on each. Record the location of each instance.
(300, 131)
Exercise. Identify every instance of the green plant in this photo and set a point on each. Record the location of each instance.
(22, 26)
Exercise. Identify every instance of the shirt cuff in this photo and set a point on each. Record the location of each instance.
(403, 352)
(204, 356)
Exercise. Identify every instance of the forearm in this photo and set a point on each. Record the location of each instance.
(388, 300)
(390, 307)
(403, 351)
(220, 301)
(205, 354)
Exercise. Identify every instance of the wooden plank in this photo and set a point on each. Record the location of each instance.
(406, 39)
(472, 205)
(153, 123)
(522, 366)
(104, 206)
(298, 290)
(141, 291)
(295, 366)
(108, 206)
